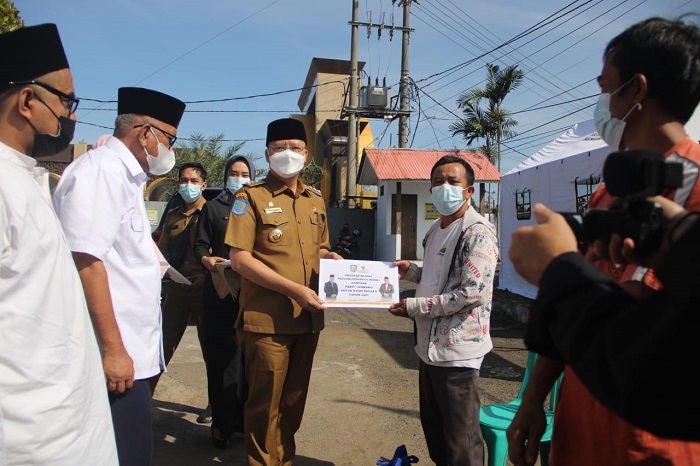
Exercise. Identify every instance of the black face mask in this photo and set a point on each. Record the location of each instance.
(51, 144)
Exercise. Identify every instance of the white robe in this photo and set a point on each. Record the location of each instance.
(53, 398)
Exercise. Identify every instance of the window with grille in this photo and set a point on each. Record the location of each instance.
(523, 206)
(584, 188)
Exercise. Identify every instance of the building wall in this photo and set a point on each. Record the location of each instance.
(388, 245)
(328, 103)
(330, 97)
(366, 139)
(325, 102)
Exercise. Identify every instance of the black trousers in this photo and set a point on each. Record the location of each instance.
(133, 425)
(449, 414)
(225, 364)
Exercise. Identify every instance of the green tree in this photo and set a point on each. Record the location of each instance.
(9, 17)
(493, 123)
(212, 154)
(475, 125)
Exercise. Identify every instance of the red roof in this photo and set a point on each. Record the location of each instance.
(415, 164)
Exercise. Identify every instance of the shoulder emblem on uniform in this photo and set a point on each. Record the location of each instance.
(253, 184)
(314, 190)
(240, 204)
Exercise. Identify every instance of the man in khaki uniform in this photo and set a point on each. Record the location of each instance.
(277, 233)
(182, 302)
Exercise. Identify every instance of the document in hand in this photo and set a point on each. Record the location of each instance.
(177, 277)
(356, 283)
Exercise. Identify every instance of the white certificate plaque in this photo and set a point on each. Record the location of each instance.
(356, 283)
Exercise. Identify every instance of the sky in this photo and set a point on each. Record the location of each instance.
(253, 57)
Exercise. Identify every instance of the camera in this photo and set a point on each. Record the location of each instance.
(632, 175)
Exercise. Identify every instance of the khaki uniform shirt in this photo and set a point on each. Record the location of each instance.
(285, 233)
(175, 223)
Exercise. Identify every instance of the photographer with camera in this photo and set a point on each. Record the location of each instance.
(650, 86)
(613, 341)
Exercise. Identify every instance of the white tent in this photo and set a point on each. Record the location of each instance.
(550, 177)
(566, 168)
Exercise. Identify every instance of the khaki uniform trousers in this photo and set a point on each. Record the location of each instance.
(278, 369)
(180, 304)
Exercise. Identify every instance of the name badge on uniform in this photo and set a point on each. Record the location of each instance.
(274, 210)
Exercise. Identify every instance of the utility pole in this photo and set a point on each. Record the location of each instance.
(403, 85)
(353, 110)
(403, 106)
(351, 155)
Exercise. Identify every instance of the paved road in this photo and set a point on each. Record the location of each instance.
(363, 400)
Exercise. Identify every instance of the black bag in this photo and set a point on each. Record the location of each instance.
(178, 245)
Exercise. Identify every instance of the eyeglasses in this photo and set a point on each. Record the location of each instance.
(171, 138)
(279, 148)
(69, 101)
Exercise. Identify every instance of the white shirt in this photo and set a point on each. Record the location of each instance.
(53, 398)
(436, 259)
(99, 200)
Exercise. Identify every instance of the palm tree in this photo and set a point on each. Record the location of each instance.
(9, 17)
(494, 123)
(476, 125)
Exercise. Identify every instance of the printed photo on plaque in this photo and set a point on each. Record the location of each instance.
(356, 283)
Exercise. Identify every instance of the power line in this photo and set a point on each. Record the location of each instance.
(535, 106)
(208, 40)
(525, 33)
(111, 129)
(500, 58)
(532, 109)
(102, 109)
(528, 69)
(229, 99)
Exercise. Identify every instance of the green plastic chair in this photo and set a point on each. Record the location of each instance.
(495, 418)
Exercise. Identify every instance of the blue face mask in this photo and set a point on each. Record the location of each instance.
(233, 183)
(447, 199)
(610, 129)
(190, 192)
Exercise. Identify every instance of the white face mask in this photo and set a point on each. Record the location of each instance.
(610, 129)
(190, 192)
(287, 164)
(234, 183)
(447, 199)
(163, 163)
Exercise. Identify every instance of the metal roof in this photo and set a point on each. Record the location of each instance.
(415, 164)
